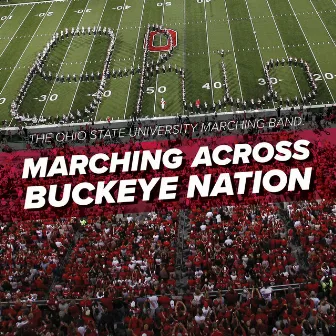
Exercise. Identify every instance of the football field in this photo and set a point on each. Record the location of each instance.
(241, 34)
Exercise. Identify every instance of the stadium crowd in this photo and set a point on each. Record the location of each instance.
(119, 275)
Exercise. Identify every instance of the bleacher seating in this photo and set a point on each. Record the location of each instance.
(247, 270)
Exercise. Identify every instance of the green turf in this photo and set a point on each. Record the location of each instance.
(249, 31)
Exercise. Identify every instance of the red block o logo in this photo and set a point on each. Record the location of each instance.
(171, 40)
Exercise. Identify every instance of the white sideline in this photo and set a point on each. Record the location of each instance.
(207, 36)
(135, 52)
(228, 115)
(234, 52)
(66, 53)
(311, 50)
(9, 77)
(115, 38)
(283, 45)
(33, 3)
(255, 36)
(16, 30)
(88, 55)
(332, 40)
(157, 76)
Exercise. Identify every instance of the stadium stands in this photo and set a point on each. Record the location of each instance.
(244, 273)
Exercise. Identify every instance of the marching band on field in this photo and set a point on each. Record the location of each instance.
(146, 71)
(271, 93)
(37, 68)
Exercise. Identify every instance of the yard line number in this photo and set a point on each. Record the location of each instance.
(81, 11)
(217, 85)
(161, 89)
(122, 7)
(45, 14)
(106, 94)
(43, 98)
(3, 18)
(273, 80)
(327, 75)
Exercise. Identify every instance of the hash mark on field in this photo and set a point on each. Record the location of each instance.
(88, 55)
(323, 23)
(9, 77)
(46, 101)
(255, 35)
(311, 50)
(16, 30)
(184, 23)
(284, 48)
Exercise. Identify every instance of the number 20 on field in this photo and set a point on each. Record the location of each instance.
(317, 77)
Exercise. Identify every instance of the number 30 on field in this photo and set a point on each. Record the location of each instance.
(317, 77)
(262, 81)
(43, 98)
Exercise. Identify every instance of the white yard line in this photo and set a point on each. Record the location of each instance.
(283, 46)
(33, 3)
(135, 52)
(255, 36)
(207, 36)
(66, 53)
(16, 30)
(35, 33)
(311, 50)
(115, 38)
(184, 50)
(323, 23)
(88, 55)
(10, 76)
(7, 17)
(334, 2)
(234, 52)
(184, 34)
(157, 76)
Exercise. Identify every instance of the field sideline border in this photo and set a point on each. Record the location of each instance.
(169, 120)
(34, 3)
